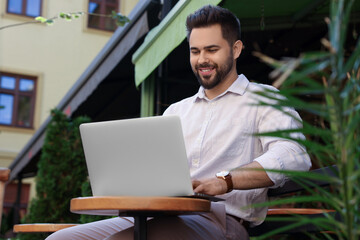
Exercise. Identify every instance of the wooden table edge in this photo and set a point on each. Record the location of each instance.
(129, 203)
(41, 227)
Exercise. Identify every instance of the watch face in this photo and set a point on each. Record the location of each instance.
(222, 174)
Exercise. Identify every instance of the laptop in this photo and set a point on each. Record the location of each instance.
(138, 157)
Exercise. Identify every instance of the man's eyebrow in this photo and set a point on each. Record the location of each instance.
(212, 46)
(206, 47)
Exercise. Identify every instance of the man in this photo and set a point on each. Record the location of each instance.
(218, 123)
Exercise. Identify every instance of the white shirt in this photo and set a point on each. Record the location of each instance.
(218, 136)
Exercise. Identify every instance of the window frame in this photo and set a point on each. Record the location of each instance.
(16, 93)
(103, 5)
(23, 9)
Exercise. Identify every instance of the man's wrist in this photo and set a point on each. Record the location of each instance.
(226, 176)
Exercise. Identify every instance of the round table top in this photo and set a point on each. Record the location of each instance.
(132, 205)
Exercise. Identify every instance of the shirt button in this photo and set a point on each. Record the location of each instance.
(195, 162)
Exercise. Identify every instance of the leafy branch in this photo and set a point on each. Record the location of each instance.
(119, 19)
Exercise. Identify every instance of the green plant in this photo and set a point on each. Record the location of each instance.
(61, 173)
(7, 222)
(333, 78)
(119, 19)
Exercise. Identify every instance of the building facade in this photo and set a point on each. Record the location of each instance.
(39, 63)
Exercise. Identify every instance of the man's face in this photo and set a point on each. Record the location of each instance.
(211, 57)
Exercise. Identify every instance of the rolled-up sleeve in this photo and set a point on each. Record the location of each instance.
(282, 154)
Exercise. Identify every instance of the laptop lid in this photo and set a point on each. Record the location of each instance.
(137, 157)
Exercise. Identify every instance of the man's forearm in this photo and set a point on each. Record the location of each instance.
(246, 177)
(250, 176)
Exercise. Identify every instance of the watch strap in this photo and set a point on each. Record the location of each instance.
(228, 179)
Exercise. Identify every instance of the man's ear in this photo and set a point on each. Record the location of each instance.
(237, 48)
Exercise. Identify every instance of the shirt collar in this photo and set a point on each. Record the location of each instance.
(238, 87)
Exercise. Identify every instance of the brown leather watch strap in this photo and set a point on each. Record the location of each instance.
(229, 183)
(225, 175)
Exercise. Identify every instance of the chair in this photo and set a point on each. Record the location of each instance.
(289, 188)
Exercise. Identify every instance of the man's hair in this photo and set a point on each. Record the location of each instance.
(210, 15)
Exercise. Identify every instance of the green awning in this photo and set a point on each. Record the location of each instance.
(164, 38)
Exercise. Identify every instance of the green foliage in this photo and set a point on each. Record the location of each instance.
(45, 20)
(7, 222)
(333, 78)
(70, 16)
(61, 173)
(119, 19)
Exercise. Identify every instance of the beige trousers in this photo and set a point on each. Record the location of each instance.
(213, 225)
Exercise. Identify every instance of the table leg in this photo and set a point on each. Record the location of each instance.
(140, 228)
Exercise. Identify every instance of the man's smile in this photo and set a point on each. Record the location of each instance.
(206, 71)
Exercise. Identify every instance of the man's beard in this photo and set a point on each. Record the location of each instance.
(220, 73)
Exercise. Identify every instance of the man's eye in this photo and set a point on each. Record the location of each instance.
(212, 50)
(195, 52)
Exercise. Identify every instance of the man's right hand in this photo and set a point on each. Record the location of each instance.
(211, 186)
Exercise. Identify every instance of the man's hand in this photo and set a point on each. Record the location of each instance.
(210, 186)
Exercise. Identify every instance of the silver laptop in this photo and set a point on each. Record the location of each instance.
(137, 157)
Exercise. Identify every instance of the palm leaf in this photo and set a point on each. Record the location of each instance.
(334, 81)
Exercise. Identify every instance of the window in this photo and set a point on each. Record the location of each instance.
(30, 8)
(104, 7)
(17, 100)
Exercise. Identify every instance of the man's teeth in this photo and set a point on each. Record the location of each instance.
(205, 70)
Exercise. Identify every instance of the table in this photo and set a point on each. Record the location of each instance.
(140, 208)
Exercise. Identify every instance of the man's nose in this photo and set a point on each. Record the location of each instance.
(203, 58)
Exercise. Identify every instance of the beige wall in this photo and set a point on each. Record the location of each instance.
(56, 54)
(127, 6)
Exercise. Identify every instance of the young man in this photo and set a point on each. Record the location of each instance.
(218, 123)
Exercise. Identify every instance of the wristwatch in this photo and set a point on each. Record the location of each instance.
(226, 176)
